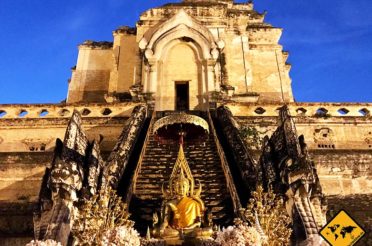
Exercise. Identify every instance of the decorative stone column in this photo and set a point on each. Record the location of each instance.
(153, 71)
(210, 85)
(145, 77)
(153, 77)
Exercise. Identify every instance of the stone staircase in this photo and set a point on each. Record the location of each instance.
(156, 166)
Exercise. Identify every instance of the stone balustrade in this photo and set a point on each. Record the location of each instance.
(32, 111)
(304, 109)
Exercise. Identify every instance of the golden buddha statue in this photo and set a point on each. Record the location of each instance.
(182, 208)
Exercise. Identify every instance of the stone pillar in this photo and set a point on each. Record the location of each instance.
(211, 76)
(218, 77)
(153, 77)
(145, 77)
(209, 86)
(153, 71)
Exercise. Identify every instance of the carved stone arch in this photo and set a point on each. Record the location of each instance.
(181, 18)
(182, 31)
(188, 66)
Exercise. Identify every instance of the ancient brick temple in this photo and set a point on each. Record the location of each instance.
(217, 60)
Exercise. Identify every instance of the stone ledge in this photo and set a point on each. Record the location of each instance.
(104, 45)
(10, 159)
(318, 110)
(87, 110)
(17, 208)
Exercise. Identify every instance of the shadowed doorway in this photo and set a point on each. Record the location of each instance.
(182, 95)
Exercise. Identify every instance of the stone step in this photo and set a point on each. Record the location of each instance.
(205, 165)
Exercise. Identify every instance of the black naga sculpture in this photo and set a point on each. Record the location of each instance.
(289, 171)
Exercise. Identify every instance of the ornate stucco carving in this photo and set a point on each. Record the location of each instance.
(367, 137)
(37, 144)
(185, 36)
(179, 26)
(181, 118)
(324, 137)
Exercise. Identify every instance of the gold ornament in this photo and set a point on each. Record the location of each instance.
(273, 219)
(104, 211)
(182, 209)
(180, 118)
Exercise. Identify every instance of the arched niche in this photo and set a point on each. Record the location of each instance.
(181, 63)
(197, 52)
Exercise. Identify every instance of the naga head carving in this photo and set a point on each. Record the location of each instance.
(287, 167)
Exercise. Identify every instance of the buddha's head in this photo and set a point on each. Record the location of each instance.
(182, 185)
(181, 182)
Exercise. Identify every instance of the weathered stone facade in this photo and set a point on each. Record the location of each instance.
(221, 44)
(225, 55)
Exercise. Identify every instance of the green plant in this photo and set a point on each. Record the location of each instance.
(252, 137)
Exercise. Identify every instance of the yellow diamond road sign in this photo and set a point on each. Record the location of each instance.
(342, 230)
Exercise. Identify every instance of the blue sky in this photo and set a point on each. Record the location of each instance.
(330, 44)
